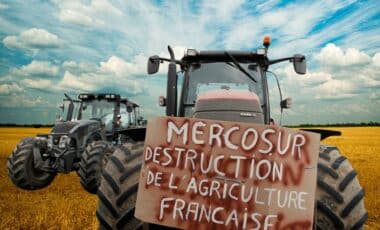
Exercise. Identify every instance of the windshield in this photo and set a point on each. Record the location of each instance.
(213, 76)
(98, 109)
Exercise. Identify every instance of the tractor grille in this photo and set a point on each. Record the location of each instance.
(64, 127)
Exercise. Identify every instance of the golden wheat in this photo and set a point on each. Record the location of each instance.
(65, 205)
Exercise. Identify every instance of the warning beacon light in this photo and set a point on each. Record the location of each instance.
(266, 41)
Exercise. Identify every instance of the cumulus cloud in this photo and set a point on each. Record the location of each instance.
(118, 66)
(376, 59)
(78, 67)
(83, 14)
(34, 38)
(110, 51)
(332, 55)
(37, 69)
(41, 84)
(335, 89)
(114, 74)
(7, 89)
(343, 74)
(24, 101)
(72, 82)
(3, 6)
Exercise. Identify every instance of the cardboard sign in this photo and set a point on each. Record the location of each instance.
(205, 174)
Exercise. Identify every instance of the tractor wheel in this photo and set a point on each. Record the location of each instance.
(118, 188)
(93, 159)
(21, 168)
(339, 196)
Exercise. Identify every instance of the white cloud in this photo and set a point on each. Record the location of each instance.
(33, 38)
(343, 74)
(37, 69)
(78, 67)
(311, 78)
(114, 73)
(72, 82)
(38, 84)
(331, 55)
(120, 67)
(7, 89)
(335, 89)
(290, 24)
(24, 101)
(376, 59)
(3, 6)
(84, 14)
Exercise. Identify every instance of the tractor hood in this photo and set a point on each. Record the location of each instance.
(229, 105)
(71, 126)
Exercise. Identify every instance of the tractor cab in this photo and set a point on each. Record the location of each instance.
(221, 85)
(110, 110)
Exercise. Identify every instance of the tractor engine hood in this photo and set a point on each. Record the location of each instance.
(229, 105)
(64, 127)
(71, 126)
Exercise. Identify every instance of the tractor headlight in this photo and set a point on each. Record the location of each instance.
(64, 141)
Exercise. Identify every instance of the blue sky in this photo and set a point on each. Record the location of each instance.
(51, 47)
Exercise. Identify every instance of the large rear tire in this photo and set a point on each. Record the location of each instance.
(21, 168)
(118, 188)
(339, 196)
(93, 159)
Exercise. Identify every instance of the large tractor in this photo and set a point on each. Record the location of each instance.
(212, 86)
(81, 140)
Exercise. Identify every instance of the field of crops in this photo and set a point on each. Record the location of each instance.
(64, 204)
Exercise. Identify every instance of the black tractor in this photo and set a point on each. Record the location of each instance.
(213, 87)
(81, 140)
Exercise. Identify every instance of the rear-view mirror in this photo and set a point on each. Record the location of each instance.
(153, 64)
(299, 63)
(61, 107)
(286, 103)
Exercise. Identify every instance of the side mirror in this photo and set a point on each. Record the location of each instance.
(129, 109)
(153, 64)
(299, 63)
(62, 107)
(286, 103)
(162, 101)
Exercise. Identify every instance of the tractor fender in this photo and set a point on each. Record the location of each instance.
(93, 136)
(325, 133)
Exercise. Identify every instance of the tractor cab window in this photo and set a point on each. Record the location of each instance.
(64, 112)
(124, 120)
(214, 76)
(102, 110)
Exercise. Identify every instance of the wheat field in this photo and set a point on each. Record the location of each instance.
(65, 205)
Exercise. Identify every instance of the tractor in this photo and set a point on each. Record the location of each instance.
(81, 139)
(212, 85)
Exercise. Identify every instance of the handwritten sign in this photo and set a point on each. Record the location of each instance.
(205, 174)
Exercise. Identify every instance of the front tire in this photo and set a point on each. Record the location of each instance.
(339, 196)
(93, 160)
(118, 189)
(21, 168)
